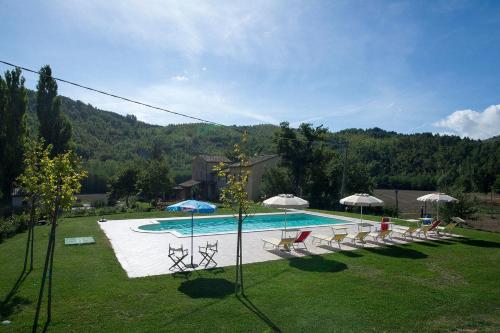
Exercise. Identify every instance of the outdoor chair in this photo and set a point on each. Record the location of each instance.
(177, 255)
(208, 252)
(360, 236)
(283, 243)
(406, 231)
(428, 228)
(380, 235)
(330, 239)
(446, 229)
(300, 239)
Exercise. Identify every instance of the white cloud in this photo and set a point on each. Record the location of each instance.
(210, 102)
(180, 78)
(240, 30)
(473, 124)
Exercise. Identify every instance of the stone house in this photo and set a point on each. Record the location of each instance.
(257, 166)
(204, 183)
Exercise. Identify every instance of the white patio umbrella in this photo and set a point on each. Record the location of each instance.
(437, 197)
(286, 201)
(361, 200)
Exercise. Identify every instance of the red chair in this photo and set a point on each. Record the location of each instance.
(300, 239)
(427, 228)
(384, 225)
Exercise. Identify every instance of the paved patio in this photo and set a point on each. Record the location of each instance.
(145, 254)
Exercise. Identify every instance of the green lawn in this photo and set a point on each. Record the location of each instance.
(438, 286)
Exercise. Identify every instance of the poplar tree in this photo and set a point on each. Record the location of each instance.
(13, 104)
(54, 127)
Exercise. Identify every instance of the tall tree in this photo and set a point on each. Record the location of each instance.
(54, 127)
(31, 181)
(125, 184)
(235, 196)
(12, 127)
(155, 180)
(61, 180)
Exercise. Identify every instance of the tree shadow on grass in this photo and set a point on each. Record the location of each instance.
(11, 302)
(262, 316)
(207, 288)
(478, 242)
(427, 243)
(350, 254)
(317, 263)
(397, 252)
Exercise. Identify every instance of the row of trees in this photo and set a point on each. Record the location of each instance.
(313, 168)
(151, 182)
(322, 166)
(53, 127)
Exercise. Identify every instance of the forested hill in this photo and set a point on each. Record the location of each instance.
(107, 141)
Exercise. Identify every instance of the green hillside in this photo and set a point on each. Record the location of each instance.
(107, 141)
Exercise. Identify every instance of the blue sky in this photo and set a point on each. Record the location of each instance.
(408, 66)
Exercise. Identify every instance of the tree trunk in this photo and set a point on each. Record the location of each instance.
(239, 256)
(49, 259)
(44, 276)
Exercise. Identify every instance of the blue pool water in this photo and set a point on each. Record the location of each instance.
(229, 224)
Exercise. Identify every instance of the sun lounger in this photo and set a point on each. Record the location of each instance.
(428, 228)
(380, 235)
(283, 243)
(330, 239)
(447, 228)
(300, 239)
(406, 231)
(360, 236)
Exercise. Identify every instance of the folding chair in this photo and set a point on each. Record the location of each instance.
(208, 253)
(177, 255)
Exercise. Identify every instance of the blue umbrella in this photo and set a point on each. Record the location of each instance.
(193, 206)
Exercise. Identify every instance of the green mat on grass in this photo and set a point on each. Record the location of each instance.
(79, 240)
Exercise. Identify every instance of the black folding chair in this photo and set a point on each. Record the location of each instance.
(177, 255)
(208, 253)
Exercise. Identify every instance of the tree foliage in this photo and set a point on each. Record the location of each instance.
(13, 105)
(235, 196)
(155, 180)
(124, 184)
(53, 125)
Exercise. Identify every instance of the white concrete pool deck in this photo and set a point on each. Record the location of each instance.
(144, 254)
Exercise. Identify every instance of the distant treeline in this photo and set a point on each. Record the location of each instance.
(424, 161)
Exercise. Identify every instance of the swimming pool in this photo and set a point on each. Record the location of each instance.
(228, 224)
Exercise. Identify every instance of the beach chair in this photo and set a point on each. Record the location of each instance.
(380, 235)
(406, 232)
(177, 255)
(360, 236)
(429, 228)
(446, 229)
(208, 252)
(283, 243)
(339, 237)
(300, 239)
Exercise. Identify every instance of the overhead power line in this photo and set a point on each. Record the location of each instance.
(113, 95)
(149, 105)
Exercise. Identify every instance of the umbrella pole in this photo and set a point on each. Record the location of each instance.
(285, 219)
(192, 229)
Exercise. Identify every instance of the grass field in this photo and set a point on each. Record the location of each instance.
(433, 286)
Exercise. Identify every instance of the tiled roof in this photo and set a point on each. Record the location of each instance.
(189, 183)
(18, 192)
(215, 158)
(256, 160)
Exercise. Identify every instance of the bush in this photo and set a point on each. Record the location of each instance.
(466, 207)
(12, 225)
